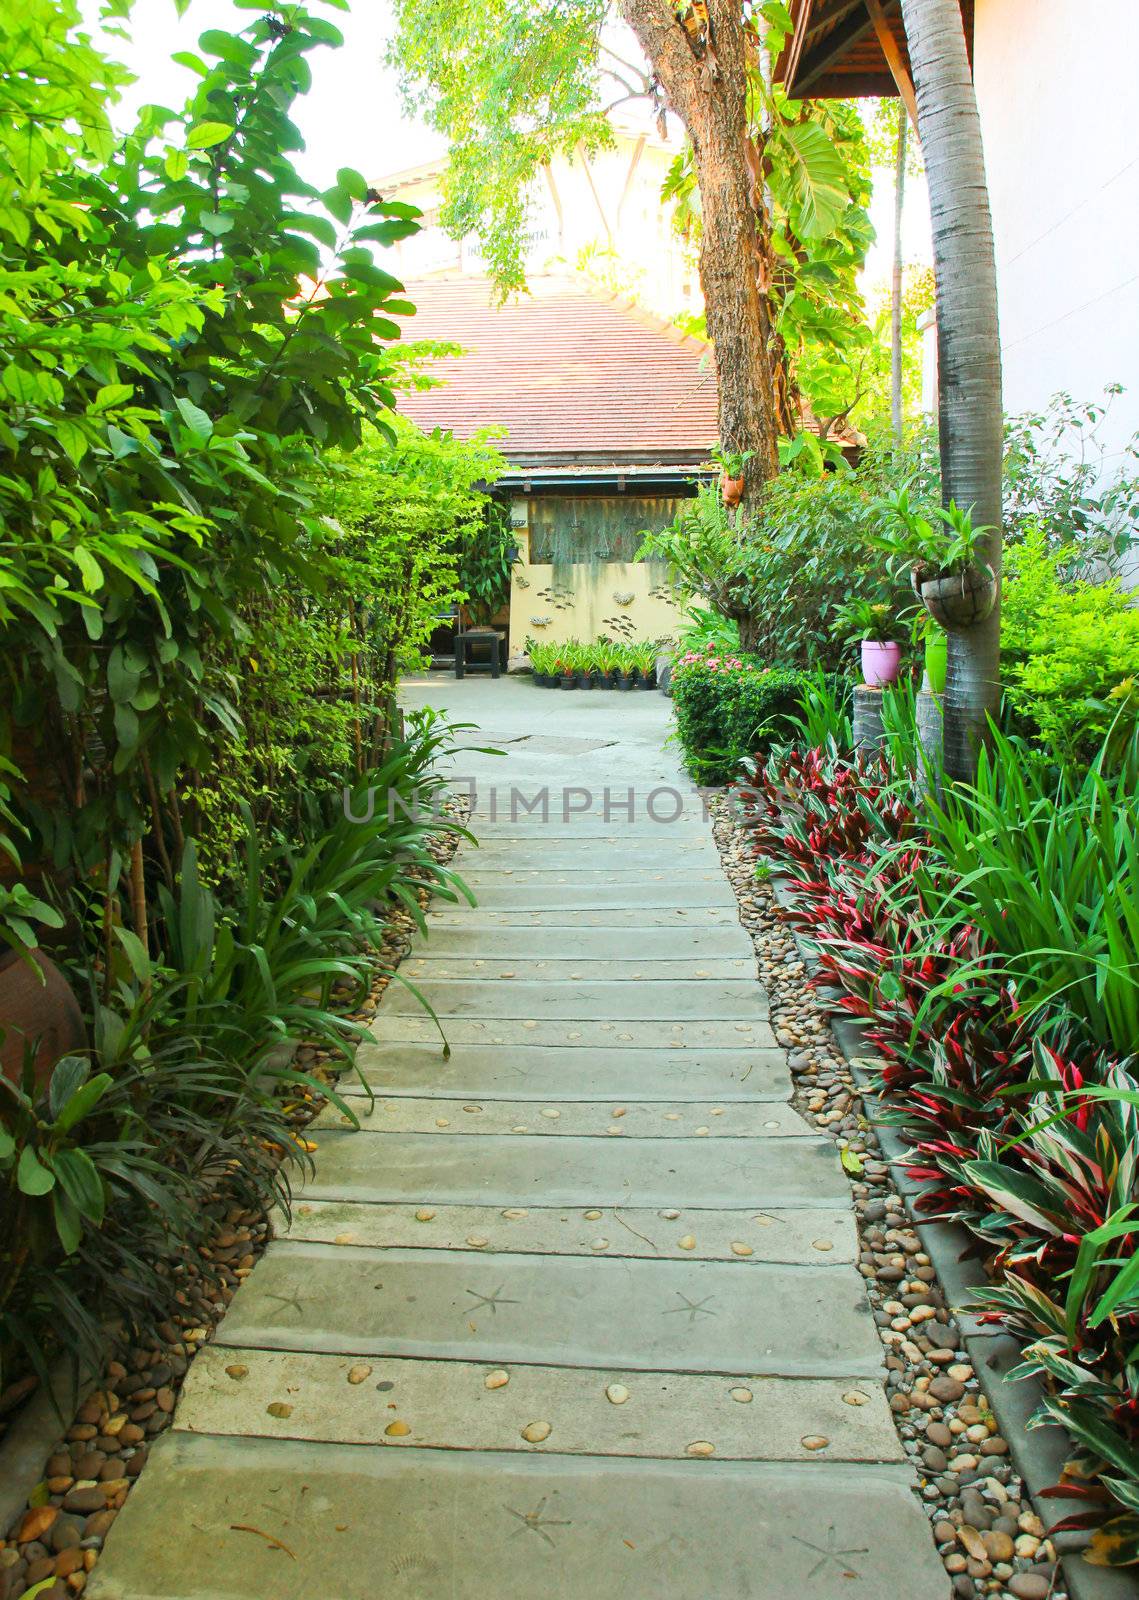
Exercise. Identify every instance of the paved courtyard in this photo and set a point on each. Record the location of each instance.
(577, 1313)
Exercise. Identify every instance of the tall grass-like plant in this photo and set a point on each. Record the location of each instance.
(1048, 870)
(825, 715)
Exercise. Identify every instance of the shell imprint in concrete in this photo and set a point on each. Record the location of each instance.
(711, 1316)
(576, 1313)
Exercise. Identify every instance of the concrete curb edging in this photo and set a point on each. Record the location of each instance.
(32, 1437)
(1037, 1453)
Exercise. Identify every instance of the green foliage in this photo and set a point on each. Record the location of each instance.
(709, 553)
(781, 575)
(205, 599)
(873, 378)
(174, 357)
(820, 252)
(511, 88)
(22, 913)
(488, 550)
(859, 619)
(309, 916)
(1070, 649)
(107, 1174)
(727, 709)
(824, 720)
(514, 88)
(703, 627)
(818, 179)
(1047, 869)
(605, 659)
(944, 541)
(1061, 480)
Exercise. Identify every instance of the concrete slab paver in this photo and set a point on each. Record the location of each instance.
(353, 1523)
(576, 1312)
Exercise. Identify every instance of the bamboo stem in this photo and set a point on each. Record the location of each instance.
(156, 820)
(138, 905)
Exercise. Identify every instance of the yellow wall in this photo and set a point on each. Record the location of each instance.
(594, 595)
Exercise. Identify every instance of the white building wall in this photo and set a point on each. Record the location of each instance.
(602, 214)
(1056, 88)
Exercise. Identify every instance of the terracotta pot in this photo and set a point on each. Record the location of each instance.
(881, 662)
(731, 490)
(956, 600)
(32, 1010)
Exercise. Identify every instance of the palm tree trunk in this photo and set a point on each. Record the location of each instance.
(896, 417)
(968, 342)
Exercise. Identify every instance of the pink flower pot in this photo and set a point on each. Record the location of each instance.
(881, 662)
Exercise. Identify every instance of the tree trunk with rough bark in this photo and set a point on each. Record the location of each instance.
(702, 69)
(968, 343)
(896, 417)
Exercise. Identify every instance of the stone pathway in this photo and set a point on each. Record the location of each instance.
(576, 1314)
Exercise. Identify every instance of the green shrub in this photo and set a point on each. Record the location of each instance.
(1070, 651)
(781, 575)
(726, 709)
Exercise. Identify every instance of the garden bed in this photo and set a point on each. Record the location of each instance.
(947, 1424)
(64, 1486)
(1014, 1114)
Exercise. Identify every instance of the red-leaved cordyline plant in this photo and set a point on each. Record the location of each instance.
(1033, 1145)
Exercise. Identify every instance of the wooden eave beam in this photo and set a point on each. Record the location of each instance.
(895, 60)
(829, 50)
(808, 21)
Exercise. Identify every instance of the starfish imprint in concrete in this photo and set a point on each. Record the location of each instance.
(536, 1522)
(493, 1300)
(831, 1553)
(293, 1300)
(691, 1308)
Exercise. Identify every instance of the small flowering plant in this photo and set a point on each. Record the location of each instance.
(713, 659)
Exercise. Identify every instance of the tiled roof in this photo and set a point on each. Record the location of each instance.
(574, 374)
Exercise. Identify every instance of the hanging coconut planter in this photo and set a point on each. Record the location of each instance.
(956, 600)
(731, 490)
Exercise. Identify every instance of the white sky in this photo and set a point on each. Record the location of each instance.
(353, 115)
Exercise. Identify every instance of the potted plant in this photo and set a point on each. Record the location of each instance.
(587, 666)
(948, 575)
(731, 464)
(542, 658)
(645, 660)
(626, 667)
(566, 668)
(608, 658)
(871, 625)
